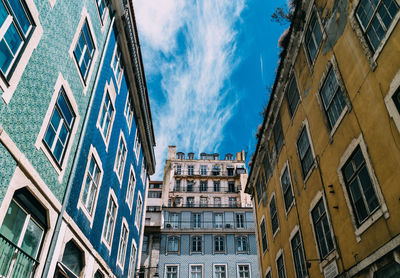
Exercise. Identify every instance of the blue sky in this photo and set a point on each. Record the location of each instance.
(207, 64)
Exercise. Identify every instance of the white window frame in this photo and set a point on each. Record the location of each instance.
(121, 73)
(84, 16)
(191, 244)
(242, 221)
(138, 216)
(9, 87)
(287, 166)
(143, 172)
(132, 260)
(294, 231)
(382, 210)
(268, 271)
(128, 200)
(190, 269)
(179, 245)
(109, 89)
(247, 244)
(104, 19)
(241, 264)
(124, 224)
(273, 195)
(278, 254)
(92, 153)
(390, 105)
(39, 144)
(224, 244)
(305, 125)
(116, 162)
(292, 76)
(261, 236)
(137, 145)
(131, 113)
(226, 269)
(112, 195)
(174, 265)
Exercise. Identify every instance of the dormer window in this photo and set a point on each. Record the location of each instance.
(190, 155)
(180, 155)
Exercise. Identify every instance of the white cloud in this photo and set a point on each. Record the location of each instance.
(199, 100)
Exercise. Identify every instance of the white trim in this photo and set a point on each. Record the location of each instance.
(23, 60)
(278, 254)
(273, 195)
(117, 78)
(137, 220)
(294, 231)
(131, 172)
(240, 264)
(103, 20)
(120, 178)
(112, 195)
(84, 16)
(266, 235)
(52, 3)
(70, 236)
(128, 97)
(123, 224)
(305, 125)
(190, 269)
(131, 268)
(382, 210)
(286, 166)
(268, 271)
(137, 146)
(218, 264)
(39, 144)
(286, 89)
(165, 269)
(391, 107)
(80, 205)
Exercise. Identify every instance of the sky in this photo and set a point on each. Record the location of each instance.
(208, 64)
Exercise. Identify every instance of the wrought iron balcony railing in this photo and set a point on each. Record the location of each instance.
(205, 205)
(209, 225)
(210, 173)
(207, 189)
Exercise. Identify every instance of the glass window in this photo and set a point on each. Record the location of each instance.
(298, 256)
(268, 275)
(203, 202)
(189, 186)
(332, 98)
(305, 153)
(203, 170)
(116, 64)
(145, 245)
(203, 186)
(138, 215)
(173, 244)
(263, 230)
(396, 99)
(178, 170)
(244, 271)
(267, 166)
(274, 215)
(217, 186)
(217, 202)
(190, 170)
(154, 194)
(219, 245)
(174, 220)
(109, 220)
(123, 242)
(190, 201)
(106, 116)
(98, 274)
(130, 191)
(196, 271)
(16, 32)
(120, 159)
(240, 220)
(241, 244)
(178, 185)
(232, 202)
(101, 7)
(196, 244)
(375, 18)
(132, 262)
(278, 134)
(73, 258)
(91, 185)
(218, 220)
(292, 96)
(128, 112)
(231, 187)
(172, 272)
(136, 145)
(259, 189)
(219, 271)
(84, 50)
(281, 267)
(287, 189)
(313, 37)
(60, 127)
(322, 230)
(196, 217)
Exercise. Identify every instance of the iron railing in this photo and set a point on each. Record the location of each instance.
(210, 173)
(204, 205)
(207, 189)
(208, 225)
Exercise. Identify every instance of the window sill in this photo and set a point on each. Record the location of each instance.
(309, 173)
(338, 122)
(328, 259)
(382, 211)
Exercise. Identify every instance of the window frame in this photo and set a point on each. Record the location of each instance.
(103, 18)
(393, 110)
(262, 221)
(195, 224)
(273, 197)
(129, 198)
(288, 86)
(118, 78)
(132, 260)
(171, 265)
(120, 172)
(280, 254)
(129, 116)
(296, 231)
(222, 220)
(124, 224)
(240, 239)
(192, 245)
(139, 216)
(109, 89)
(286, 168)
(221, 239)
(313, 12)
(305, 127)
(113, 197)
(190, 269)
(137, 145)
(224, 265)
(177, 238)
(240, 221)
(238, 265)
(280, 141)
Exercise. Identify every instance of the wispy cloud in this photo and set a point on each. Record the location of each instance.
(191, 46)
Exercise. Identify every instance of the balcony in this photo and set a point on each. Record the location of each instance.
(209, 189)
(236, 204)
(210, 173)
(209, 225)
(14, 262)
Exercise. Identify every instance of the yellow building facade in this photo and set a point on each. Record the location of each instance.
(325, 175)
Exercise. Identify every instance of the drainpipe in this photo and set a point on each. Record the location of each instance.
(53, 243)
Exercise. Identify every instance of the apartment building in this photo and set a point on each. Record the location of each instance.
(207, 227)
(324, 174)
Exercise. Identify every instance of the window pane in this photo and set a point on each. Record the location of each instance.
(13, 223)
(21, 17)
(5, 56)
(13, 39)
(73, 258)
(32, 238)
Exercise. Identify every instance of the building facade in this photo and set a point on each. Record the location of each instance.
(75, 128)
(324, 174)
(207, 227)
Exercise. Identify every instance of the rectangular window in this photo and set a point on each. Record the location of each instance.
(91, 185)
(132, 262)
(154, 194)
(130, 191)
(292, 96)
(243, 271)
(220, 271)
(106, 116)
(190, 201)
(60, 126)
(241, 244)
(138, 215)
(120, 158)
(217, 202)
(305, 152)
(274, 215)
(173, 244)
(196, 244)
(136, 145)
(359, 186)
(268, 275)
(259, 189)
(145, 245)
(278, 134)
(84, 50)
(189, 186)
(203, 170)
(174, 220)
(203, 186)
(101, 7)
(196, 271)
(231, 187)
(128, 112)
(313, 37)
(190, 170)
(116, 65)
(171, 272)
(216, 170)
(322, 230)
(263, 231)
(267, 166)
(230, 171)
(396, 99)
(123, 242)
(178, 185)
(287, 191)
(219, 244)
(232, 202)
(332, 98)
(375, 18)
(281, 267)
(203, 202)
(218, 220)
(196, 218)
(217, 186)
(178, 170)
(240, 220)
(298, 256)
(109, 222)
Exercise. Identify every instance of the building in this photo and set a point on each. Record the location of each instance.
(151, 237)
(207, 227)
(60, 69)
(324, 174)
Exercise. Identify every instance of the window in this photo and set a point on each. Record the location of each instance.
(189, 186)
(313, 37)
(109, 222)
(136, 146)
(60, 127)
(196, 244)
(120, 158)
(217, 186)
(196, 271)
(99, 274)
(268, 274)
(332, 98)
(178, 185)
(145, 245)
(116, 65)
(143, 172)
(73, 258)
(243, 271)
(263, 231)
(190, 201)
(178, 170)
(173, 244)
(123, 243)
(218, 220)
(358, 182)
(322, 230)
(138, 215)
(298, 256)
(281, 267)
(203, 186)
(174, 220)
(190, 170)
(128, 112)
(180, 155)
(101, 8)
(196, 217)
(154, 194)
(287, 189)
(278, 134)
(292, 96)
(274, 215)
(203, 170)
(132, 261)
(220, 271)
(232, 202)
(259, 189)
(240, 220)
(375, 18)
(91, 185)
(267, 166)
(171, 271)
(130, 191)
(84, 50)
(203, 201)
(219, 244)
(217, 201)
(305, 152)
(230, 171)
(231, 186)
(241, 244)
(216, 170)
(228, 156)
(106, 116)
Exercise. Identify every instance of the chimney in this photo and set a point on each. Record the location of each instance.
(171, 152)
